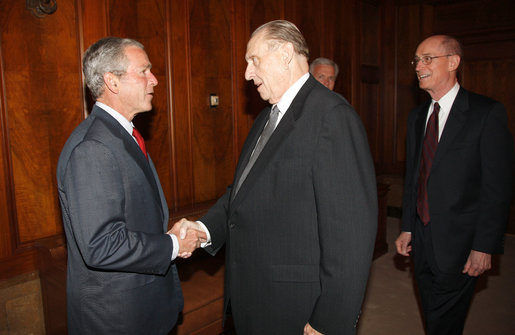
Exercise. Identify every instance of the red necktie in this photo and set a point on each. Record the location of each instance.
(140, 140)
(428, 153)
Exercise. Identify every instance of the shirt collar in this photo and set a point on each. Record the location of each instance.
(290, 94)
(126, 124)
(447, 100)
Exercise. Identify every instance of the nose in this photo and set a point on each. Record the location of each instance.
(419, 65)
(152, 79)
(249, 72)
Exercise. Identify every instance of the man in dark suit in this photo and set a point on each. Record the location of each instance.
(299, 221)
(458, 186)
(120, 276)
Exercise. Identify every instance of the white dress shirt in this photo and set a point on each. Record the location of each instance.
(445, 103)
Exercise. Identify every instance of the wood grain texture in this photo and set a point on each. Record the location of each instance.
(42, 104)
(197, 47)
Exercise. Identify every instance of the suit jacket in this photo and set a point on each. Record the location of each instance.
(470, 183)
(115, 216)
(300, 232)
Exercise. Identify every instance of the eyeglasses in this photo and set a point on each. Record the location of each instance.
(426, 60)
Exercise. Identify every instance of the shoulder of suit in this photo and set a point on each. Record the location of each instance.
(479, 100)
(327, 97)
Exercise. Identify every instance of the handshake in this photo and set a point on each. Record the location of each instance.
(190, 235)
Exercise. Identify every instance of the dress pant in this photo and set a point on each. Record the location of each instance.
(445, 297)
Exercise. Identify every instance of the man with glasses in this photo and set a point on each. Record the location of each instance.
(458, 186)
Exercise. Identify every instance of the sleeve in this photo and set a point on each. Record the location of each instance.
(215, 222)
(346, 200)
(96, 198)
(496, 150)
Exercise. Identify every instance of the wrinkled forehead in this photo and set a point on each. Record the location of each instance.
(324, 68)
(254, 45)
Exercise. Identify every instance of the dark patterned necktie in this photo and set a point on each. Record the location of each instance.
(265, 135)
(140, 140)
(428, 153)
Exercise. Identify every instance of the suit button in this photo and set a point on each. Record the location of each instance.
(231, 225)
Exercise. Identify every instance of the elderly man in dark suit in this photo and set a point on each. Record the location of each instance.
(299, 221)
(121, 279)
(458, 186)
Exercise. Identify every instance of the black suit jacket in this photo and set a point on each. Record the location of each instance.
(115, 216)
(471, 179)
(300, 233)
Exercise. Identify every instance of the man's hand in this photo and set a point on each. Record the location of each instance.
(189, 235)
(308, 330)
(403, 243)
(477, 263)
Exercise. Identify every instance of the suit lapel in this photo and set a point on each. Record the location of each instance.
(284, 128)
(420, 131)
(130, 145)
(250, 144)
(455, 122)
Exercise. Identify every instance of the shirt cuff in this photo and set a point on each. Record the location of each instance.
(175, 250)
(208, 242)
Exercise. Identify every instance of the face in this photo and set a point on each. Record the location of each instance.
(325, 75)
(266, 68)
(136, 86)
(439, 76)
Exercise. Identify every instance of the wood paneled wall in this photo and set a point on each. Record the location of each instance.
(197, 48)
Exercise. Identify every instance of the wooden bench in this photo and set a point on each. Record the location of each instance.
(202, 281)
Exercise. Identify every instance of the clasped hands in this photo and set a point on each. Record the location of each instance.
(190, 236)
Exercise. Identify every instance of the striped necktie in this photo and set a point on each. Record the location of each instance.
(265, 136)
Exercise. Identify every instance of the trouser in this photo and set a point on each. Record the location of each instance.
(445, 297)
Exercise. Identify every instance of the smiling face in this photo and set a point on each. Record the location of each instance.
(325, 74)
(136, 86)
(266, 69)
(438, 77)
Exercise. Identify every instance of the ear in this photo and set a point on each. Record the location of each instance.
(454, 62)
(112, 82)
(287, 52)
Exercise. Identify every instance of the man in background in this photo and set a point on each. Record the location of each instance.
(458, 186)
(121, 279)
(299, 220)
(325, 71)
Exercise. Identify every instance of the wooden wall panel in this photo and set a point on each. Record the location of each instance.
(210, 47)
(344, 31)
(370, 78)
(42, 96)
(6, 206)
(180, 84)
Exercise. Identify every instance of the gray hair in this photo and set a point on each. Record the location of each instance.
(323, 61)
(284, 31)
(105, 55)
